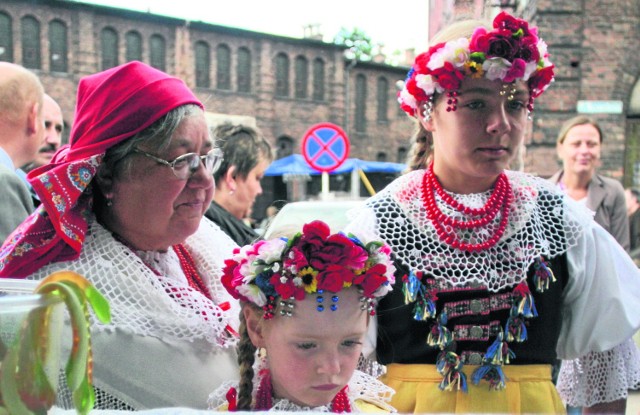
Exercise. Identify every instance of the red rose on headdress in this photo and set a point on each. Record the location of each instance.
(332, 278)
(342, 251)
(540, 80)
(314, 234)
(529, 49)
(508, 22)
(371, 280)
(499, 46)
(448, 76)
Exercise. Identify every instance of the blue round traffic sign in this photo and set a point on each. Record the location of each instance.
(325, 146)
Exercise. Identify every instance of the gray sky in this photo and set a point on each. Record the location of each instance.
(402, 29)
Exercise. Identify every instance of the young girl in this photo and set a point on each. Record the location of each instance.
(306, 304)
(499, 274)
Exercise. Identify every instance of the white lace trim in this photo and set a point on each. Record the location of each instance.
(162, 306)
(537, 227)
(362, 387)
(600, 377)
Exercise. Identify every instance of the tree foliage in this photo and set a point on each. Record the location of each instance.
(359, 43)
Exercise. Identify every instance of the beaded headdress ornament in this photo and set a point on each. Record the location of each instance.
(510, 52)
(312, 262)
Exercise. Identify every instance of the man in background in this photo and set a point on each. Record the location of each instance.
(51, 141)
(53, 128)
(21, 132)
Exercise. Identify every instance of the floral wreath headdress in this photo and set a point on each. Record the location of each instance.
(312, 262)
(510, 52)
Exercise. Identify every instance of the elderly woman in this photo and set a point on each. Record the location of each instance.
(123, 206)
(246, 156)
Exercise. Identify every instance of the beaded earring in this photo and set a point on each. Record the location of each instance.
(286, 307)
(452, 101)
(428, 109)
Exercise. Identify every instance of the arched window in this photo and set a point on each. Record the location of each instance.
(223, 68)
(382, 98)
(6, 38)
(57, 46)
(402, 155)
(284, 147)
(30, 43)
(133, 43)
(381, 156)
(158, 51)
(361, 103)
(302, 77)
(203, 62)
(318, 80)
(243, 71)
(282, 75)
(109, 47)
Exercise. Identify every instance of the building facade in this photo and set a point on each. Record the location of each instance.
(286, 85)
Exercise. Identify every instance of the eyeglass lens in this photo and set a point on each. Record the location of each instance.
(185, 168)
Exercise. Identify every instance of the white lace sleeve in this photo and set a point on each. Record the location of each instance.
(601, 306)
(600, 377)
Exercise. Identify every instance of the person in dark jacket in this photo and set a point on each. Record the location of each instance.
(247, 154)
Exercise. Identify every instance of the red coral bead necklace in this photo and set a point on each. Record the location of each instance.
(499, 201)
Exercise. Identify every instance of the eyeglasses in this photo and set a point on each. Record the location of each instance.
(186, 165)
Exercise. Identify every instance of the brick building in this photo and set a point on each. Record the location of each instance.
(285, 85)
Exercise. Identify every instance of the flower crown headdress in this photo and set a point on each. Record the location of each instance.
(313, 261)
(510, 52)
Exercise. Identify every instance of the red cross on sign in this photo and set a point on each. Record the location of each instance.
(325, 147)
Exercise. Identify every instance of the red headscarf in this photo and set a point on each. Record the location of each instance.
(112, 106)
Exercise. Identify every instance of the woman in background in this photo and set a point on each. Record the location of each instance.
(247, 154)
(579, 146)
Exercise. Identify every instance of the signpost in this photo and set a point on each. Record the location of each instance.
(325, 147)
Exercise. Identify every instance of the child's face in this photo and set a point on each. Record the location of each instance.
(312, 354)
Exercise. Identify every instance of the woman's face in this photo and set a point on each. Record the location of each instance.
(475, 143)
(312, 354)
(247, 190)
(580, 150)
(152, 208)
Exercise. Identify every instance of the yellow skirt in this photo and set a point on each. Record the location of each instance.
(529, 390)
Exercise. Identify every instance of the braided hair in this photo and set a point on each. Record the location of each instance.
(246, 358)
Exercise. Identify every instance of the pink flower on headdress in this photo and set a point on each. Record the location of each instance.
(515, 71)
(295, 260)
(231, 279)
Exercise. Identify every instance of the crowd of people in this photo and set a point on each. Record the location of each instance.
(465, 281)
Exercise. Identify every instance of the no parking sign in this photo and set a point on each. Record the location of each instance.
(325, 147)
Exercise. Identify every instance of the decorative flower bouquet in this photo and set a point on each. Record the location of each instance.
(26, 387)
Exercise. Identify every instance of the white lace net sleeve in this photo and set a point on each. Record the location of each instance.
(600, 377)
